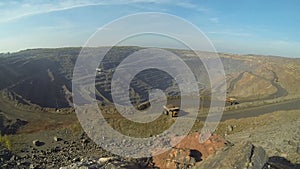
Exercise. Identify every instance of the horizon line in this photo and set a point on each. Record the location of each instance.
(170, 48)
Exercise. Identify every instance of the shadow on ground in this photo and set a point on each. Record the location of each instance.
(276, 162)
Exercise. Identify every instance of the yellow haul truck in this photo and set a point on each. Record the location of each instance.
(172, 110)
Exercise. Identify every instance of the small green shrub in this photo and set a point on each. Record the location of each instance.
(76, 127)
(6, 141)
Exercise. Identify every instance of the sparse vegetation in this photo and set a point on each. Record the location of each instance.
(6, 141)
(135, 129)
(75, 127)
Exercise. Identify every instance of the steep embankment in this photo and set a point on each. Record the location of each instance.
(38, 76)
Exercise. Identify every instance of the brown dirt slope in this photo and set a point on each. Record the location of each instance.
(251, 85)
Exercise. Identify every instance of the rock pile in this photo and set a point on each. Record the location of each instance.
(40, 156)
(181, 158)
(111, 163)
(5, 154)
(189, 151)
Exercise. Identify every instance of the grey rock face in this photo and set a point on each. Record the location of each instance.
(276, 162)
(240, 156)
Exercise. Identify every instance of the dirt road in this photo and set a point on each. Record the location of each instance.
(256, 111)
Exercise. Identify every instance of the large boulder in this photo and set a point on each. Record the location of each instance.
(243, 155)
(37, 143)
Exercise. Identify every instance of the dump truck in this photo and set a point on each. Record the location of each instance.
(144, 105)
(232, 100)
(172, 110)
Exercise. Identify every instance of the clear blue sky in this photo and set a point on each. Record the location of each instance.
(269, 27)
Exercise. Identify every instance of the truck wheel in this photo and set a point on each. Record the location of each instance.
(166, 112)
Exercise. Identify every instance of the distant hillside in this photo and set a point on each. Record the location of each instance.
(39, 75)
(43, 76)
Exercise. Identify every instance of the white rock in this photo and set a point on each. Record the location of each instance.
(104, 159)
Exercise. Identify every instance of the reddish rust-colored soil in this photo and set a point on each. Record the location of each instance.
(191, 142)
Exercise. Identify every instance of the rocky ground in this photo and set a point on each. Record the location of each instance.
(59, 149)
(278, 133)
(76, 151)
(269, 141)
